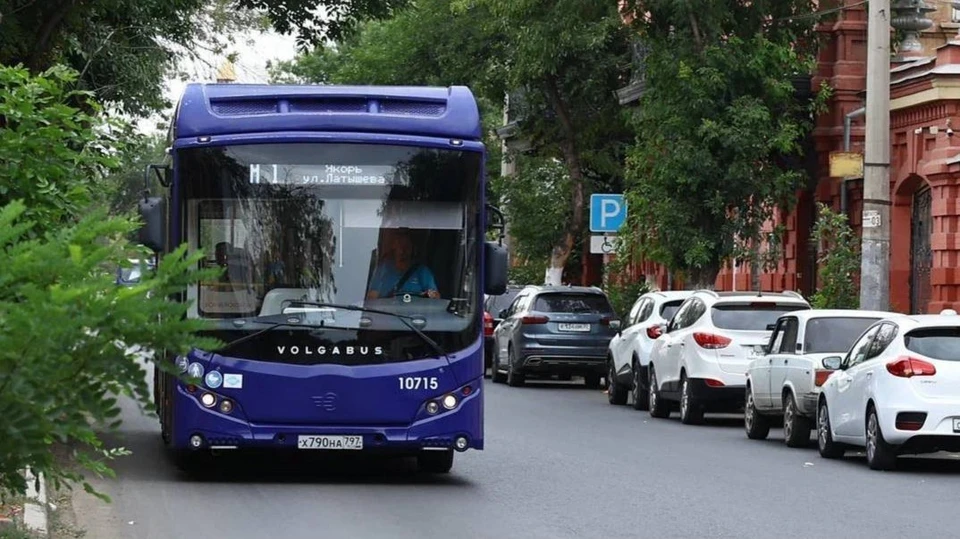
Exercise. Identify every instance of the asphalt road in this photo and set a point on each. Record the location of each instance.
(560, 462)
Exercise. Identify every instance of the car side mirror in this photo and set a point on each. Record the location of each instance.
(833, 363)
(501, 316)
(494, 269)
(615, 325)
(153, 233)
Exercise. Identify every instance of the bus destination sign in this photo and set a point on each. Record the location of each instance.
(324, 174)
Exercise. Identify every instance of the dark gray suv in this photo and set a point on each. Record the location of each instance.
(554, 330)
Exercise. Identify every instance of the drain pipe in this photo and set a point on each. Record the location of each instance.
(847, 122)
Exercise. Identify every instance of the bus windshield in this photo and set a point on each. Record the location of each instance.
(392, 228)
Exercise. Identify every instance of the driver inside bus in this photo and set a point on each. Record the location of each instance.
(397, 274)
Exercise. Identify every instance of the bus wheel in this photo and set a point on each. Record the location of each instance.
(435, 461)
(190, 462)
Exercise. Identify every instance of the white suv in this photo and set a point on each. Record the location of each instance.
(629, 352)
(702, 357)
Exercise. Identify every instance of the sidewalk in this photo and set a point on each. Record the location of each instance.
(29, 514)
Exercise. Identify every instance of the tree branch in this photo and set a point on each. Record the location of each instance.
(42, 44)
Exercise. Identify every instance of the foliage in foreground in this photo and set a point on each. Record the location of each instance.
(67, 332)
(839, 259)
(71, 340)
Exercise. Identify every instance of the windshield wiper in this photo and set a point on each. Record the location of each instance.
(432, 343)
(271, 327)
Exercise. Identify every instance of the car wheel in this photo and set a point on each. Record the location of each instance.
(616, 393)
(640, 399)
(495, 374)
(659, 408)
(435, 461)
(829, 449)
(691, 411)
(756, 425)
(796, 428)
(880, 454)
(514, 378)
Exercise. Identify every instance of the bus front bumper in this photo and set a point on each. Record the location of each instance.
(200, 428)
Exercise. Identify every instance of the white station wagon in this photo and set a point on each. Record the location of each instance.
(785, 382)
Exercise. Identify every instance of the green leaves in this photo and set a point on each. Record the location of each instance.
(839, 259)
(719, 131)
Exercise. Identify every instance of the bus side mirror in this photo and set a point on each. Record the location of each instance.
(494, 269)
(153, 231)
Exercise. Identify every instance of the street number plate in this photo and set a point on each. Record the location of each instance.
(574, 327)
(330, 442)
(956, 425)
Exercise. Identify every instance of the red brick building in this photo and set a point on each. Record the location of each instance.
(925, 163)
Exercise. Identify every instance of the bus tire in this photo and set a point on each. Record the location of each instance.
(435, 461)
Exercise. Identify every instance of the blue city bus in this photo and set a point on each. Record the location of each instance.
(350, 225)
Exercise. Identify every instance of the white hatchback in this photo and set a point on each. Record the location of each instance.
(896, 392)
(701, 360)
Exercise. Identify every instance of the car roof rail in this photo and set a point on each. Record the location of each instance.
(708, 291)
(793, 293)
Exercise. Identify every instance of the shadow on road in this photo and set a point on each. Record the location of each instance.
(150, 461)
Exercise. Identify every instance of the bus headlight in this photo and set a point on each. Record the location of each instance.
(433, 407)
(208, 399)
(449, 402)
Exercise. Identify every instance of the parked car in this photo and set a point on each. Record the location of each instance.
(554, 330)
(785, 383)
(629, 351)
(896, 392)
(700, 361)
(129, 276)
(492, 305)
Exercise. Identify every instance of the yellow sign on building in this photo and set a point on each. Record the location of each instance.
(846, 165)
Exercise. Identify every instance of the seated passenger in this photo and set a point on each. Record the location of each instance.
(397, 274)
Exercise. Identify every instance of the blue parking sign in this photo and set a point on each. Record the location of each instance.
(607, 212)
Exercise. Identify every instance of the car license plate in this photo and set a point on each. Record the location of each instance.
(956, 425)
(574, 327)
(330, 442)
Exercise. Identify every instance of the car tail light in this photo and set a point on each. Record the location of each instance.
(605, 321)
(654, 332)
(713, 383)
(487, 324)
(820, 376)
(910, 420)
(527, 320)
(711, 341)
(906, 367)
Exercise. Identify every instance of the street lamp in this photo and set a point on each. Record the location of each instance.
(910, 16)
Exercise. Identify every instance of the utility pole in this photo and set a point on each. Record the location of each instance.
(875, 241)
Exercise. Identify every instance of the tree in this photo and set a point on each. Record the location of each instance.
(71, 341)
(124, 48)
(839, 260)
(564, 56)
(719, 128)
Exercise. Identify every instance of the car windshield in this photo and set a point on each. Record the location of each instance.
(571, 302)
(941, 343)
(834, 334)
(750, 316)
(670, 308)
(394, 228)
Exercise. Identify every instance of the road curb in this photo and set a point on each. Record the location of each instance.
(35, 508)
